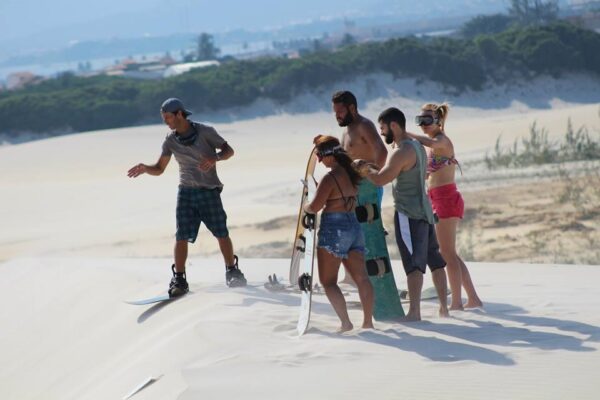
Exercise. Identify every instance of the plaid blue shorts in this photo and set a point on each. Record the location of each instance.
(197, 205)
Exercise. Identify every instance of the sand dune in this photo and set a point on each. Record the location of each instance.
(69, 335)
(78, 238)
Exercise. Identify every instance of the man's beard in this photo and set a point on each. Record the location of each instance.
(348, 119)
(389, 137)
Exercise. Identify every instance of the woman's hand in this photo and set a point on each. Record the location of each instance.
(307, 209)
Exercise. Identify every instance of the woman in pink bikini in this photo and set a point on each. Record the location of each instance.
(446, 200)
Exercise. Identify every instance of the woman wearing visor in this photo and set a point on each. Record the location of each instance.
(341, 238)
(446, 200)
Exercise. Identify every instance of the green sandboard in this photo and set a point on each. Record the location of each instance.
(387, 301)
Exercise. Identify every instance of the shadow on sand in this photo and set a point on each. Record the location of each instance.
(509, 312)
(157, 307)
(432, 348)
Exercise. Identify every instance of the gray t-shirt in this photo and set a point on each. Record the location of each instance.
(189, 157)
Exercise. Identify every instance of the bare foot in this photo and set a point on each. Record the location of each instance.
(410, 318)
(456, 308)
(473, 304)
(345, 328)
(368, 325)
(444, 313)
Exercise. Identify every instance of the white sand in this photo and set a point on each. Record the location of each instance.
(78, 237)
(69, 335)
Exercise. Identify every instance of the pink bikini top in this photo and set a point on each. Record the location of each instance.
(435, 162)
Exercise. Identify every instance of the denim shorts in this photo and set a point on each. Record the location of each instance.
(340, 233)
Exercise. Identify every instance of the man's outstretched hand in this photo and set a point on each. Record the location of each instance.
(136, 171)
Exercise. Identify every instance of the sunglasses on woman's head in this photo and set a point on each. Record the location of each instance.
(328, 152)
(425, 120)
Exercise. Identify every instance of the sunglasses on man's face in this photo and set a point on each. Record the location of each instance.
(425, 120)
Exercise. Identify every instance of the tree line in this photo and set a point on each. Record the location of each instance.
(71, 103)
(521, 13)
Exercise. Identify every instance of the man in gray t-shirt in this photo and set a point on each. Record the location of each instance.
(194, 146)
(190, 156)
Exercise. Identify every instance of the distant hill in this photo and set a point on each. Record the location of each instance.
(69, 103)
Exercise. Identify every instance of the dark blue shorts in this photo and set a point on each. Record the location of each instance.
(197, 205)
(417, 244)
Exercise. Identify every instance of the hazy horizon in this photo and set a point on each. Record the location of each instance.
(43, 27)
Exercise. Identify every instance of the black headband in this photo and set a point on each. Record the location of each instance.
(328, 152)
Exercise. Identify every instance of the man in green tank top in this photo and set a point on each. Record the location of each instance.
(414, 218)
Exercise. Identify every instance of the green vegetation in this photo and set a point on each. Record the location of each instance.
(533, 12)
(205, 48)
(520, 13)
(72, 103)
(577, 145)
(486, 25)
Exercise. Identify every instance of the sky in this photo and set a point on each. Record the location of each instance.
(42, 23)
(30, 17)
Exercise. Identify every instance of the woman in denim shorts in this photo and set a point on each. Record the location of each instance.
(341, 239)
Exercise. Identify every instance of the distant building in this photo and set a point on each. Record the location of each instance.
(584, 13)
(179, 69)
(292, 54)
(19, 80)
(145, 69)
(585, 4)
(167, 60)
(589, 21)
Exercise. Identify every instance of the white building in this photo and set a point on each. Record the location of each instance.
(179, 69)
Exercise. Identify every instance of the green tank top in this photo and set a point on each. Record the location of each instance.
(408, 189)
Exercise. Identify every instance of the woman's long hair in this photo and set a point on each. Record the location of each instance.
(331, 146)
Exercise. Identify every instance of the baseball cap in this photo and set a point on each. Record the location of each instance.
(172, 105)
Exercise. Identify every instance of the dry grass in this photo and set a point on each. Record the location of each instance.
(543, 222)
(542, 219)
